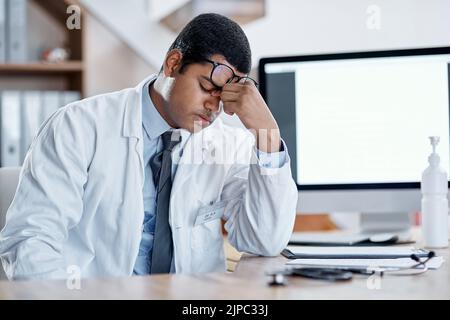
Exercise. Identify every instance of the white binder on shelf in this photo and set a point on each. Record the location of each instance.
(2, 31)
(50, 103)
(16, 35)
(31, 119)
(10, 129)
(69, 96)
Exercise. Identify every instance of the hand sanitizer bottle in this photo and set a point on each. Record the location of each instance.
(434, 189)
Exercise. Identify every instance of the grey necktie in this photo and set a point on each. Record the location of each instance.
(161, 164)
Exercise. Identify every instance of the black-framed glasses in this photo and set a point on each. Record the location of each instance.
(221, 74)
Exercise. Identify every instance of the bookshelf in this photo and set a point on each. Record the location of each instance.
(33, 90)
(69, 73)
(32, 68)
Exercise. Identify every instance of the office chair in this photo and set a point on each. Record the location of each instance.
(9, 178)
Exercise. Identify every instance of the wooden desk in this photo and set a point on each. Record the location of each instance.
(247, 282)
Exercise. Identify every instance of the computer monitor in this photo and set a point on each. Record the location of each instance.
(357, 125)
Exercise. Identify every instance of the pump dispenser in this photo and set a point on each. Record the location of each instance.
(434, 188)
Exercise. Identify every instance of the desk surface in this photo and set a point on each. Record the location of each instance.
(247, 282)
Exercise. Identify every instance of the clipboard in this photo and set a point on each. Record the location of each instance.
(308, 252)
(335, 240)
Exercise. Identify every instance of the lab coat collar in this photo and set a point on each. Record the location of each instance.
(154, 124)
(132, 122)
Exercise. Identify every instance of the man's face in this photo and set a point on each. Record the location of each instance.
(194, 102)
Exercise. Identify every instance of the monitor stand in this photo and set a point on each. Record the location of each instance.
(393, 222)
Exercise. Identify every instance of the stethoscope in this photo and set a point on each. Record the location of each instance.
(418, 268)
(345, 274)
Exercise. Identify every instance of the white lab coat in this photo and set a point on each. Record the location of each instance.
(78, 209)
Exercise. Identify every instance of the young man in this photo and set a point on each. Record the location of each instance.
(137, 181)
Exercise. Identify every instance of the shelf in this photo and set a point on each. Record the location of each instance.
(39, 74)
(41, 68)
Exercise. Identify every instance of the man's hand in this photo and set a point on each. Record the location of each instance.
(246, 102)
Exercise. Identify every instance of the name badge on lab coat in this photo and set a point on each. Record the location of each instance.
(210, 212)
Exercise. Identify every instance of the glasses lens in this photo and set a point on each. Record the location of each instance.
(221, 75)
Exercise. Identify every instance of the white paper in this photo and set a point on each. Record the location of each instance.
(434, 263)
(344, 251)
(327, 238)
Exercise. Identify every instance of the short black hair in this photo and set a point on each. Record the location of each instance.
(209, 34)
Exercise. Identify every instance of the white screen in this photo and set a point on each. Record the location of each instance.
(368, 120)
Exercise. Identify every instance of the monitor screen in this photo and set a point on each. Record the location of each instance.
(360, 120)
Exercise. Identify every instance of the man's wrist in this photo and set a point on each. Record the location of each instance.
(271, 147)
(269, 142)
(272, 160)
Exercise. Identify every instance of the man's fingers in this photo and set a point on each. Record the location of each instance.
(226, 96)
(233, 87)
(229, 107)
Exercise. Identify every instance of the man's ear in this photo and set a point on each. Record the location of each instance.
(172, 62)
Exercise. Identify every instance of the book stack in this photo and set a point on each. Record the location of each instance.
(13, 31)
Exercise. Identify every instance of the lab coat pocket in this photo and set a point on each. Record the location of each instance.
(207, 241)
(207, 228)
(207, 254)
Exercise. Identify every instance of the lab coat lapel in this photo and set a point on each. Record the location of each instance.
(132, 121)
(192, 160)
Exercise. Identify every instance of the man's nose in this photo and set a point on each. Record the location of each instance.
(212, 103)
